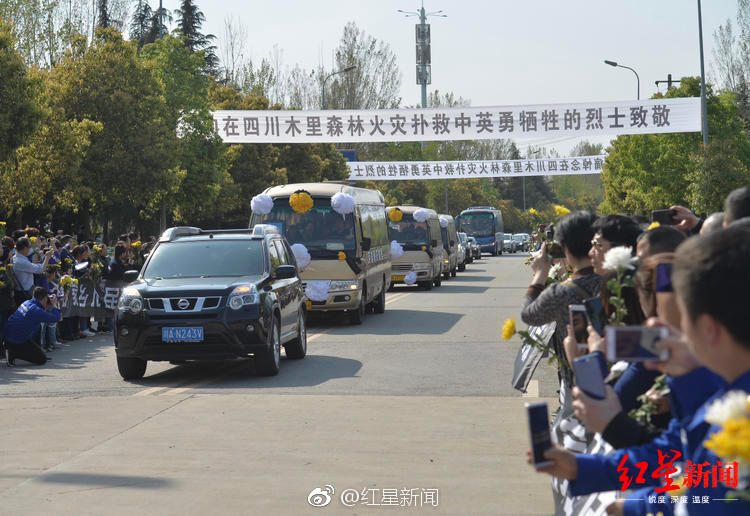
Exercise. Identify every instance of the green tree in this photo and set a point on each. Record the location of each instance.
(103, 19)
(199, 150)
(131, 165)
(584, 191)
(647, 172)
(20, 113)
(189, 22)
(717, 170)
(140, 23)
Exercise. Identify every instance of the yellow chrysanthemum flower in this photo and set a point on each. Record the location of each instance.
(342, 255)
(509, 329)
(561, 211)
(653, 225)
(532, 211)
(424, 248)
(75, 281)
(301, 202)
(395, 215)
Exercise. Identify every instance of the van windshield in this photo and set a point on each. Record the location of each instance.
(408, 231)
(321, 230)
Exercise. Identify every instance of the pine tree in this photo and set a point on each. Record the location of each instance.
(190, 19)
(140, 25)
(158, 23)
(103, 19)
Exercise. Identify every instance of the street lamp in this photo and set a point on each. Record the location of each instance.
(613, 63)
(323, 89)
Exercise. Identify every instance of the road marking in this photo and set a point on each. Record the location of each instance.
(397, 297)
(532, 390)
(151, 390)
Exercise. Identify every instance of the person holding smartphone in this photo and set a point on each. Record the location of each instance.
(708, 358)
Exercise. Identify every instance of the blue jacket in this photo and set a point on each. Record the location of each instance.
(26, 321)
(691, 395)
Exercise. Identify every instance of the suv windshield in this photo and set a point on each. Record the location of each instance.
(205, 258)
(322, 230)
(518, 238)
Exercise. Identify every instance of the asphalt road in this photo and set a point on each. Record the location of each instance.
(416, 400)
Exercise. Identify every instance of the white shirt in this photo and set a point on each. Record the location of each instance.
(24, 271)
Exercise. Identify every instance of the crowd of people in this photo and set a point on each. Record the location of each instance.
(690, 278)
(38, 272)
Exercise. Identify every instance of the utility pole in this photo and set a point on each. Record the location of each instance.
(704, 109)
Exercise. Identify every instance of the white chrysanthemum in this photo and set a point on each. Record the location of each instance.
(617, 258)
(556, 271)
(301, 255)
(421, 215)
(397, 251)
(261, 204)
(444, 222)
(732, 405)
(317, 290)
(410, 278)
(342, 203)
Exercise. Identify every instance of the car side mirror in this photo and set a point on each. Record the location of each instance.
(433, 243)
(366, 244)
(130, 276)
(286, 271)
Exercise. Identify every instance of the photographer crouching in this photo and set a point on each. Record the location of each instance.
(25, 323)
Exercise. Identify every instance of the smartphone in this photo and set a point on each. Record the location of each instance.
(596, 313)
(665, 217)
(635, 343)
(589, 377)
(579, 321)
(539, 433)
(664, 277)
(554, 250)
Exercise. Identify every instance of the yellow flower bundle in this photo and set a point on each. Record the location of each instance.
(561, 211)
(395, 215)
(342, 255)
(509, 329)
(301, 202)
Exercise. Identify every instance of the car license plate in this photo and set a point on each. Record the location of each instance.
(397, 278)
(184, 334)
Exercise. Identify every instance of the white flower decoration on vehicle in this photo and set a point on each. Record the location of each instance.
(342, 203)
(301, 255)
(444, 222)
(317, 290)
(262, 204)
(733, 405)
(410, 278)
(421, 215)
(397, 251)
(617, 259)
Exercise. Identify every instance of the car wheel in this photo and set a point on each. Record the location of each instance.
(268, 362)
(447, 275)
(131, 368)
(453, 272)
(427, 285)
(358, 315)
(462, 267)
(380, 301)
(297, 348)
(438, 281)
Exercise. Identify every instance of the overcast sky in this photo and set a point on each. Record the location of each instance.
(499, 52)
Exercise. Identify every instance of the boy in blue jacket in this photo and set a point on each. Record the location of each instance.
(709, 359)
(25, 323)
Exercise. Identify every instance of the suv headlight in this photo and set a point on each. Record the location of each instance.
(339, 285)
(242, 296)
(130, 300)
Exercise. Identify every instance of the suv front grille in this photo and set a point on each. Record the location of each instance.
(401, 267)
(189, 304)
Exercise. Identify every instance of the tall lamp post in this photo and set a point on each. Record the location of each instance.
(704, 110)
(638, 79)
(323, 88)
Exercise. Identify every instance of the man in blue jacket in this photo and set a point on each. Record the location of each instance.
(25, 323)
(711, 358)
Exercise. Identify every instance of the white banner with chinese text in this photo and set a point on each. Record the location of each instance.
(585, 120)
(403, 170)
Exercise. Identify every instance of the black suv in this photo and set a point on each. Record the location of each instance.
(211, 295)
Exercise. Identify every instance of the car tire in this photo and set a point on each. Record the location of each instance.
(438, 281)
(269, 362)
(426, 285)
(379, 304)
(453, 272)
(447, 275)
(131, 368)
(462, 267)
(358, 315)
(297, 348)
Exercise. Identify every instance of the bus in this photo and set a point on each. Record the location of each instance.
(483, 222)
(350, 254)
(423, 246)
